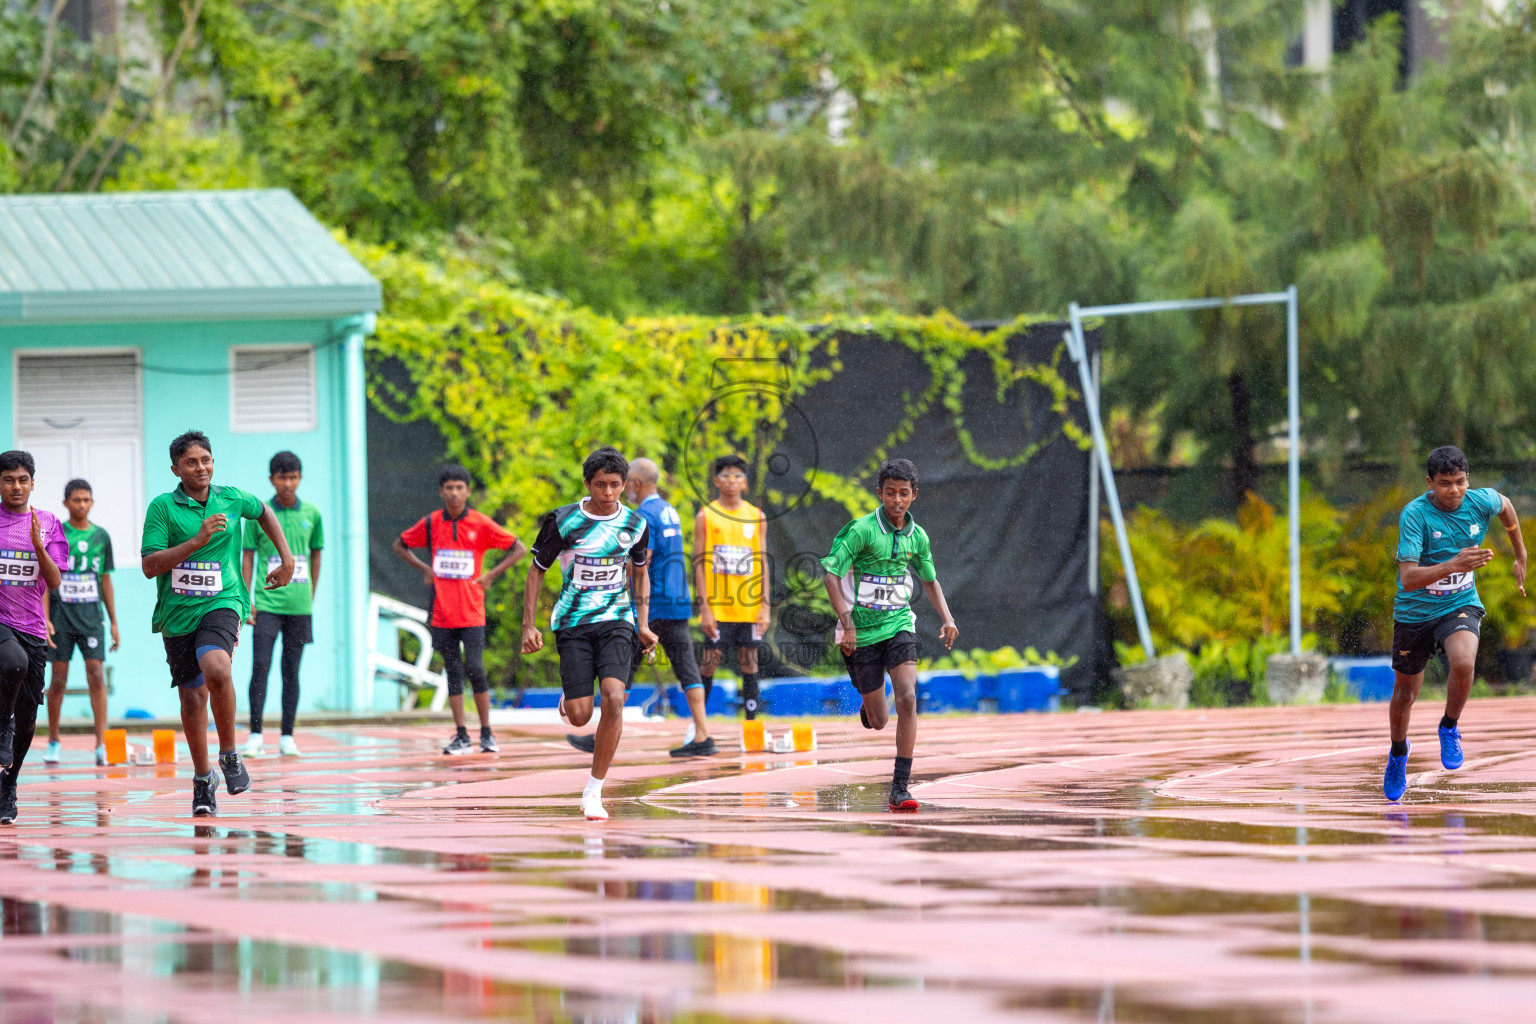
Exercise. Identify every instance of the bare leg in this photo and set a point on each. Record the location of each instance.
(695, 695)
(482, 707)
(456, 704)
(221, 695)
(609, 728)
(1405, 690)
(56, 687)
(876, 709)
(709, 660)
(96, 680)
(194, 725)
(1461, 652)
(904, 683)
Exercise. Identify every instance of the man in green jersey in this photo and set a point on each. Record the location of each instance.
(600, 631)
(74, 616)
(286, 610)
(869, 580)
(191, 548)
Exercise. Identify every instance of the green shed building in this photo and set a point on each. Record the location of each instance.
(127, 318)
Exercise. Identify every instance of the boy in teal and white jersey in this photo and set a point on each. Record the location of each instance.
(1439, 550)
(600, 630)
(869, 581)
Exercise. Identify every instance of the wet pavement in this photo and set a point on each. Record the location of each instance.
(1213, 867)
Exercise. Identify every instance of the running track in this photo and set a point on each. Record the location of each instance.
(1205, 866)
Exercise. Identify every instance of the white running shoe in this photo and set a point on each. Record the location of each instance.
(689, 735)
(252, 746)
(592, 807)
(51, 754)
(287, 747)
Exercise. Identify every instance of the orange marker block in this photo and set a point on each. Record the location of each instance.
(805, 736)
(752, 736)
(117, 746)
(165, 746)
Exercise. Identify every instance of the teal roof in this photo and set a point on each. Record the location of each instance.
(173, 256)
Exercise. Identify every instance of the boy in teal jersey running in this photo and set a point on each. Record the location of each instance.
(75, 620)
(191, 549)
(286, 610)
(1439, 551)
(601, 633)
(869, 581)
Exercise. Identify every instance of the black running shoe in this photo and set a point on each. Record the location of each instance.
(488, 743)
(236, 778)
(460, 744)
(698, 748)
(585, 744)
(204, 798)
(8, 743)
(902, 801)
(864, 718)
(7, 797)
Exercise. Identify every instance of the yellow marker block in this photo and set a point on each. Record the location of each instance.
(117, 746)
(165, 746)
(805, 736)
(752, 736)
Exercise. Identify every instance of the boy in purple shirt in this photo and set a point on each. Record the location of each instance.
(32, 547)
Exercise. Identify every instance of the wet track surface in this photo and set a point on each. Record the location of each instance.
(1215, 867)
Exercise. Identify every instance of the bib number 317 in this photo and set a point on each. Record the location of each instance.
(198, 579)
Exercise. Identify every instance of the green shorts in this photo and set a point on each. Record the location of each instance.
(93, 646)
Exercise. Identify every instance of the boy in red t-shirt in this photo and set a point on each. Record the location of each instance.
(455, 538)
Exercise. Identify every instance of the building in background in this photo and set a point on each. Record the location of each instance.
(127, 318)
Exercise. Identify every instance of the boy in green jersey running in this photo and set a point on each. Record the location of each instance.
(286, 610)
(191, 548)
(74, 616)
(869, 581)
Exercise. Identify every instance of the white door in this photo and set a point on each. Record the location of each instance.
(79, 415)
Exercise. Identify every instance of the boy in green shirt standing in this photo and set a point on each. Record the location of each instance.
(869, 581)
(191, 549)
(74, 616)
(286, 610)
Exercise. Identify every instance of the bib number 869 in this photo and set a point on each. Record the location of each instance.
(15, 569)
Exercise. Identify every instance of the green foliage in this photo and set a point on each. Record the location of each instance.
(981, 662)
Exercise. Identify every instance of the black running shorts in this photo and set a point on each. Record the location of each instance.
(595, 651)
(92, 645)
(1414, 643)
(867, 665)
(220, 628)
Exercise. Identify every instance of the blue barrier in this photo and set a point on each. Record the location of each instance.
(1368, 679)
(946, 691)
(1036, 688)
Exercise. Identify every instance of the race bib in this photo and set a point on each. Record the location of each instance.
(198, 579)
(300, 567)
(732, 560)
(883, 593)
(1455, 583)
(18, 568)
(590, 573)
(79, 588)
(453, 564)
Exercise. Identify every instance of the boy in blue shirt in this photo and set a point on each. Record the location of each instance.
(1439, 550)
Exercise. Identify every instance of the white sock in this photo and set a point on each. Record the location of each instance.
(594, 788)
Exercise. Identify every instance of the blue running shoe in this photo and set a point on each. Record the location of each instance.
(1395, 783)
(1450, 748)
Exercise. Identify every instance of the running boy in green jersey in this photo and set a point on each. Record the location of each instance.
(600, 631)
(191, 549)
(74, 616)
(1439, 551)
(869, 580)
(286, 610)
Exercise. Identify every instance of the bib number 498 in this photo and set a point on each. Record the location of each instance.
(197, 579)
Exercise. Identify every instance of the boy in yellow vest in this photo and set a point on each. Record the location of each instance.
(730, 558)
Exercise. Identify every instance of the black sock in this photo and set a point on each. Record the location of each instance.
(749, 693)
(464, 731)
(902, 773)
(1447, 722)
(1399, 748)
(485, 730)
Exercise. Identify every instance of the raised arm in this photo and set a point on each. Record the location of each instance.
(533, 639)
(52, 577)
(834, 584)
(158, 563)
(1511, 522)
(514, 553)
(280, 576)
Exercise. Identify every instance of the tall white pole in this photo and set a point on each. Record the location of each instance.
(1293, 401)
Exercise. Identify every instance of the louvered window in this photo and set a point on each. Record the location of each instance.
(84, 395)
(272, 389)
